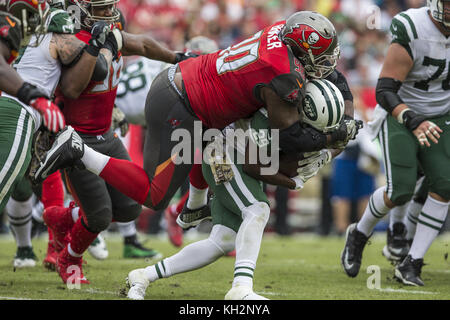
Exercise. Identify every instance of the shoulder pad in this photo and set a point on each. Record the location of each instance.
(10, 32)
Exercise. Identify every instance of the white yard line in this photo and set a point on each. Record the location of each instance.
(406, 291)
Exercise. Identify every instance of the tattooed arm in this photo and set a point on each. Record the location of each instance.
(10, 81)
(143, 45)
(78, 65)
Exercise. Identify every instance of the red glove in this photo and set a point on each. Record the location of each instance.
(53, 118)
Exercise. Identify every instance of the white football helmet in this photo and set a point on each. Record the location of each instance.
(323, 106)
(437, 11)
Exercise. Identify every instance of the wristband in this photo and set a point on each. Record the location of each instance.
(400, 115)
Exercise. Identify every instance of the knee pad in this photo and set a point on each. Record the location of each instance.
(127, 214)
(260, 210)
(98, 220)
(223, 237)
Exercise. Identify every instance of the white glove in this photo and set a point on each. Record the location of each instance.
(308, 167)
(298, 182)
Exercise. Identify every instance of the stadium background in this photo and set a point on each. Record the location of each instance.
(362, 27)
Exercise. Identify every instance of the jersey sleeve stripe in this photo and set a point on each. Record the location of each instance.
(400, 34)
(411, 24)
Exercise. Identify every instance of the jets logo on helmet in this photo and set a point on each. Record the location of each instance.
(323, 106)
(438, 12)
(313, 40)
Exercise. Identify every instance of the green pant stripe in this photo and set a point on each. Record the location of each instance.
(428, 225)
(432, 218)
(17, 155)
(385, 153)
(243, 274)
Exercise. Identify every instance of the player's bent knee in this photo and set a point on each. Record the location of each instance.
(223, 237)
(100, 220)
(260, 210)
(442, 189)
(127, 214)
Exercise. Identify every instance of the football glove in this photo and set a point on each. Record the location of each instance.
(347, 131)
(119, 121)
(410, 119)
(36, 98)
(43, 141)
(181, 56)
(308, 167)
(99, 34)
(298, 182)
(114, 42)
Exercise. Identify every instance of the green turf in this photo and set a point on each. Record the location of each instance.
(289, 268)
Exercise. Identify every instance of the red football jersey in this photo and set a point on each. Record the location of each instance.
(91, 112)
(224, 86)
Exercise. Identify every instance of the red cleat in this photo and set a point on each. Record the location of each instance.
(70, 268)
(174, 231)
(60, 222)
(50, 259)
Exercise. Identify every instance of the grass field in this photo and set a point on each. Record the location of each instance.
(302, 267)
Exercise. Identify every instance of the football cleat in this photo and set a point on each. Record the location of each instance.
(66, 151)
(137, 283)
(409, 270)
(59, 221)
(98, 248)
(351, 256)
(136, 250)
(50, 258)
(243, 293)
(24, 258)
(397, 246)
(191, 218)
(174, 231)
(70, 268)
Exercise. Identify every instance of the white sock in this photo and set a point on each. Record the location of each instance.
(73, 253)
(127, 229)
(248, 242)
(75, 214)
(376, 209)
(191, 257)
(19, 216)
(93, 160)
(197, 197)
(397, 214)
(429, 223)
(410, 219)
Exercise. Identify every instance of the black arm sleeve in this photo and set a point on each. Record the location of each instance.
(296, 139)
(386, 93)
(339, 80)
(101, 69)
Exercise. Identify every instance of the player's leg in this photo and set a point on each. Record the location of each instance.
(414, 209)
(194, 256)
(399, 150)
(125, 210)
(19, 215)
(174, 231)
(434, 161)
(168, 119)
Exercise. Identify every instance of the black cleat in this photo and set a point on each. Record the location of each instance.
(66, 151)
(408, 272)
(191, 218)
(397, 246)
(352, 253)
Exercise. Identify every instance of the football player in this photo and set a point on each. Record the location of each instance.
(134, 85)
(268, 70)
(90, 114)
(240, 207)
(413, 95)
(25, 103)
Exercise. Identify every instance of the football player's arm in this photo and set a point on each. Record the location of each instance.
(10, 81)
(254, 171)
(78, 64)
(146, 46)
(396, 67)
